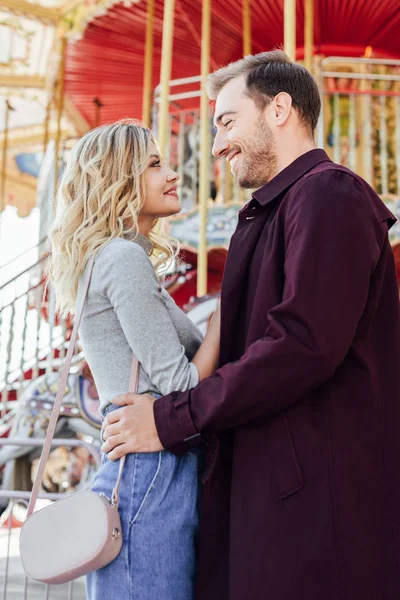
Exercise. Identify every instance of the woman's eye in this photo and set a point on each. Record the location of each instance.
(157, 163)
(227, 123)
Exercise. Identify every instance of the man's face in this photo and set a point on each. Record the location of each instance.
(244, 137)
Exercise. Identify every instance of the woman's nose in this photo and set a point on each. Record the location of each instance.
(173, 176)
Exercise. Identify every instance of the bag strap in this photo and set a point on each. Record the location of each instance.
(55, 413)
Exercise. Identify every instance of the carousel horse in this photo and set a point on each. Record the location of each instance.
(79, 417)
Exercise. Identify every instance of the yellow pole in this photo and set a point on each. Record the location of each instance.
(289, 15)
(246, 28)
(46, 125)
(148, 65)
(4, 158)
(166, 61)
(308, 33)
(246, 50)
(204, 187)
(60, 108)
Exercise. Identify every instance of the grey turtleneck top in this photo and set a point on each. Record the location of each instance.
(128, 310)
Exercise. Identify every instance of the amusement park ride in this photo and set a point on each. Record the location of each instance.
(74, 65)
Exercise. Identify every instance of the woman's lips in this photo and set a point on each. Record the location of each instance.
(172, 192)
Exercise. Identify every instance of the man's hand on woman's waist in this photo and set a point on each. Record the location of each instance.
(130, 428)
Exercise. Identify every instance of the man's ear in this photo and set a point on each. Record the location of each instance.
(282, 106)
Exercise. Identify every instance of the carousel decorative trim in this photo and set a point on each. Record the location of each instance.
(221, 224)
(75, 22)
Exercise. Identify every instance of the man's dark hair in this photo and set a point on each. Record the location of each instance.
(268, 74)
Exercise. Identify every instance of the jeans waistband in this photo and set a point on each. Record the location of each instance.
(110, 407)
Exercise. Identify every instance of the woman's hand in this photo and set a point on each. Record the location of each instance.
(130, 428)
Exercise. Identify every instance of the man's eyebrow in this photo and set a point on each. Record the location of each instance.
(219, 118)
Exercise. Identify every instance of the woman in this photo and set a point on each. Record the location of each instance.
(113, 192)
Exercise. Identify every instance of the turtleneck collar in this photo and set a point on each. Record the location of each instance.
(140, 239)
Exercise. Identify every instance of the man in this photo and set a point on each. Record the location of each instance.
(302, 492)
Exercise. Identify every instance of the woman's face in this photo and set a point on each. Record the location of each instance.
(161, 197)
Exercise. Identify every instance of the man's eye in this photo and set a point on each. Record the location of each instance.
(227, 123)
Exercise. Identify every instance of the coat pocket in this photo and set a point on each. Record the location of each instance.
(284, 459)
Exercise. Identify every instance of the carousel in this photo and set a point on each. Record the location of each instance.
(69, 66)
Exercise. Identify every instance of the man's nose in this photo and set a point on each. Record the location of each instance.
(220, 146)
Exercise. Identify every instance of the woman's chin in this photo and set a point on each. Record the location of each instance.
(173, 208)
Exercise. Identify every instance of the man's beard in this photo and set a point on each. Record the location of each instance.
(258, 157)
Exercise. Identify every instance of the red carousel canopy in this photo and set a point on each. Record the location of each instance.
(108, 62)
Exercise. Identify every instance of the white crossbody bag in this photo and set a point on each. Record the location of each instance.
(82, 532)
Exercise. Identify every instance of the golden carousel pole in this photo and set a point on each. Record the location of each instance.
(308, 33)
(148, 64)
(246, 28)
(289, 28)
(60, 108)
(46, 125)
(204, 188)
(9, 108)
(246, 40)
(166, 61)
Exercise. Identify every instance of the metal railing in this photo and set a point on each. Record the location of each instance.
(31, 337)
(359, 126)
(360, 118)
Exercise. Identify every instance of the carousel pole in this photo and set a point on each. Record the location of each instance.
(246, 23)
(60, 108)
(9, 108)
(166, 61)
(308, 33)
(204, 188)
(289, 25)
(46, 125)
(246, 28)
(148, 65)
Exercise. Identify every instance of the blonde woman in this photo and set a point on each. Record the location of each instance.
(114, 190)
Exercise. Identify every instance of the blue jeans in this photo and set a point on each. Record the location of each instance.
(159, 516)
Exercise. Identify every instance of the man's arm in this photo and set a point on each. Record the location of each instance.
(333, 241)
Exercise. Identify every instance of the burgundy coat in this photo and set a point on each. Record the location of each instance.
(302, 498)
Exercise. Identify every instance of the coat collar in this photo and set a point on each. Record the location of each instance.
(290, 175)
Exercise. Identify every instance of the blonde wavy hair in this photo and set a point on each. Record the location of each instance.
(101, 193)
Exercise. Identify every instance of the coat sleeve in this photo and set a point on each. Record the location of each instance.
(333, 241)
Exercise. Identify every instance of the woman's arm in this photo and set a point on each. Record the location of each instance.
(129, 282)
(207, 356)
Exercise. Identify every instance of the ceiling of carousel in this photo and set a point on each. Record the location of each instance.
(108, 62)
